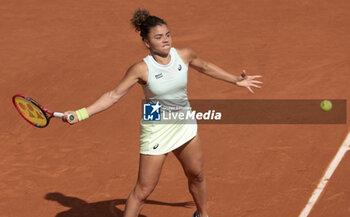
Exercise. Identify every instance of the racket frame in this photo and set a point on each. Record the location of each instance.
(46, 112)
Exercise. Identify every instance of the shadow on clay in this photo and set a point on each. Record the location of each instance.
(81, 208)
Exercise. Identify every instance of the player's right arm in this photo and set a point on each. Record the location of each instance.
(135, 74)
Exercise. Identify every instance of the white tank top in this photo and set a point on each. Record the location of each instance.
(167, 84)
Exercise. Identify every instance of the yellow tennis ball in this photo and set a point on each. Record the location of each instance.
(326, 105)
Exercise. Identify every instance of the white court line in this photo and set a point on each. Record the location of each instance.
(331, 168)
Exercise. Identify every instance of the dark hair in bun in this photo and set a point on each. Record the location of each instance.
(143, 22)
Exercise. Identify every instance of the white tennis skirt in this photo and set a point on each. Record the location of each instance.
(158, 139)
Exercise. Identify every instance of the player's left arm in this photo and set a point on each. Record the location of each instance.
(215, 71)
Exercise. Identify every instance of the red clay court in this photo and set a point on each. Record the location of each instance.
(66, 53)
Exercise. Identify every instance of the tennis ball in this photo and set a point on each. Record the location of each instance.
(326, 105)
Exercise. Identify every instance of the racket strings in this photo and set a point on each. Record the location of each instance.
(31, 112)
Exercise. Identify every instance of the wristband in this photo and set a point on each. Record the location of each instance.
(82, 114)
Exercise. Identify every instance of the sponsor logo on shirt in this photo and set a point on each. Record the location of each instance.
(157, 76)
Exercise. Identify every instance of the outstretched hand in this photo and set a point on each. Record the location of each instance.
(249, 81)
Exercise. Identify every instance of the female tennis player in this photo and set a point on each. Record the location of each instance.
(163, 75)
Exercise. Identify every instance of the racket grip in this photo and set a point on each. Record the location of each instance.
(58, 114)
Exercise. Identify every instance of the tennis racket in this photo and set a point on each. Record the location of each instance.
(33, 112)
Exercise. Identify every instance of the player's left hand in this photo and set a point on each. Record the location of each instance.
(249, 81)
